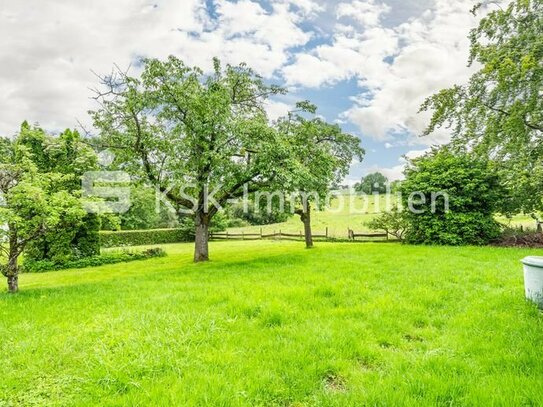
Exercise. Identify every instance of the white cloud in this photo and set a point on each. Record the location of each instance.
(368, 13)
(396, 172)
(433, 58)
(397, 67)
(48, 49)
(276, 109)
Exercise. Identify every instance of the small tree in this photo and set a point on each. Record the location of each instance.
(69, 157)
(202, 139)
(321, 155)
(393, 223)
(29, 208)
(451, 199)
(372, 183)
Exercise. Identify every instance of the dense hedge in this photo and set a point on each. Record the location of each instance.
(144, 237)
(31, 266)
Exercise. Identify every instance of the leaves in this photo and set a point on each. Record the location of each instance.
(176, 126)
(499, 112)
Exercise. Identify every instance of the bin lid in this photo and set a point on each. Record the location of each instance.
(536, 261)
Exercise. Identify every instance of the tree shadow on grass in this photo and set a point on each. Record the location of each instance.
(178, 269)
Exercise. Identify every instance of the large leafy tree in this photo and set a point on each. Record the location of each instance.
(192, 134)
(31, 205)
(499, 112)
(320, 156)
(372, 183)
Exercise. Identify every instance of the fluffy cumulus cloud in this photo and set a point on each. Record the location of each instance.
(49, 50)
(393, 52)
(368, 13)
(397, 67)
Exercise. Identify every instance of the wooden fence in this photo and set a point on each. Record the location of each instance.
(261, 236)
(351, 235)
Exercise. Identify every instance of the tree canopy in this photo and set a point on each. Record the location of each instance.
(372, 183)
(192, 134)
(499, 112)
(33, 202)
(451, 198)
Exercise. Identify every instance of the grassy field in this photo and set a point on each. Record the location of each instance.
(353, 213)
(273, 324)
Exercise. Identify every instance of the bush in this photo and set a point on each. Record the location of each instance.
(393, 223)
(518, 237)
(41, 266)
(474, 195)
(145, 237)
(67, 242)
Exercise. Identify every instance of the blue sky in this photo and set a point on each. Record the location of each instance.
(367, 64)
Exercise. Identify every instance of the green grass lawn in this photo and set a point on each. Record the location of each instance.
(270, 323)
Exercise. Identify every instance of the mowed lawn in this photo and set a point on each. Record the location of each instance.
(270, 323)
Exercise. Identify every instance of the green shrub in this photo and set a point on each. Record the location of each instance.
(32, 266)
(474, 195)
(145, 237)
(393, 223)
(67, 242)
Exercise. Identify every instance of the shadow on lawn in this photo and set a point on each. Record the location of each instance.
(171, 269)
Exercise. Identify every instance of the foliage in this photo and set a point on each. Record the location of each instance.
(265, 323)
(393, 222)
(69, 157)
(110, 221)
(88, 237)
(187, 133)
(372, 183)
(321, 153)
(499, 113)
(145, 237)
(472, 190)
(254, 215)
(320, 156)
(33, 204)
(40, 266)
(143, 214)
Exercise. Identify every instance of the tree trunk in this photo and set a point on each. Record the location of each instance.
(201, 246)
(12, 268)
(13, 283)
(306, 219)
(12, 274)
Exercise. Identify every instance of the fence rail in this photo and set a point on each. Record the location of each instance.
(351, 235)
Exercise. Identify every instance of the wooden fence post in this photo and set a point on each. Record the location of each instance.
(326, 232)
(260, 233)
